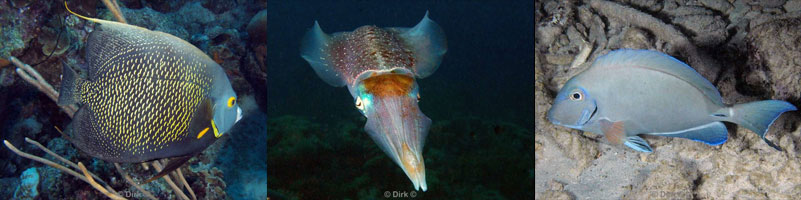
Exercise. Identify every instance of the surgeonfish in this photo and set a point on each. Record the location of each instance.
(380, 67)
(147, 95)
(630, 92)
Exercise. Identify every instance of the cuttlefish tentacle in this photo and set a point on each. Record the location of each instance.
(380, 66)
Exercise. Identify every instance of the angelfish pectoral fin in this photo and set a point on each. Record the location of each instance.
(173, 164)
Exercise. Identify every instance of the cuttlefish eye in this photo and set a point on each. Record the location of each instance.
(231, 102)
(576, 96)
(359, 104)
(418, 97)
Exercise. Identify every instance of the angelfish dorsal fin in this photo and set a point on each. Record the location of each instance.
(658, 61)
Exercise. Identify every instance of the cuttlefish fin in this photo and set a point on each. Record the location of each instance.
(428, 42)
(314, 49)
(172, 165)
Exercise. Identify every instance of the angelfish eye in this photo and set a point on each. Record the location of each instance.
(359, 104)
(576, 96)
(231, 102)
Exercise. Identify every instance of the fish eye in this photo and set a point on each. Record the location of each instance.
(231, 102)
(359, 104)
(576, 96)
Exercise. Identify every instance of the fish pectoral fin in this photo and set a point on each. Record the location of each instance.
(172, 165)
(614, 131)
(201, 119)
(637, 143)
(714, 133)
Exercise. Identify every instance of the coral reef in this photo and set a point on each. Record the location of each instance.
(29, 182)
(734, 44)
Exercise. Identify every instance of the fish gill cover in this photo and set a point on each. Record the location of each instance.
(44, 35)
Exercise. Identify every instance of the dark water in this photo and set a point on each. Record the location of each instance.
(479, 100)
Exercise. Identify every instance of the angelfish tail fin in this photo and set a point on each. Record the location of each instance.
(756, 116)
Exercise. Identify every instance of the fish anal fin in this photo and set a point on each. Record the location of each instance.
(714, 133)
(615, 132)
(172, 165)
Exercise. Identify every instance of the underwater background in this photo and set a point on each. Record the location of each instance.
(479, 99)
(43, 34)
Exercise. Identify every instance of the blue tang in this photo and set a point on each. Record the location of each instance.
(627, 92)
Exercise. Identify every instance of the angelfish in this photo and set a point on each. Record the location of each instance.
(380, 67)
(630, 92)
(147, 95)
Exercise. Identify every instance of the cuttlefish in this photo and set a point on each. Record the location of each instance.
(380, 67)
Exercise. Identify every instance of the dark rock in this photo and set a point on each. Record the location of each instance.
(778, 55)
(257, 28)
(707, 30)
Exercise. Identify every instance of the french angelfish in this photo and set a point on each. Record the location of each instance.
(629, 92)
(379, 66)
(147, 95)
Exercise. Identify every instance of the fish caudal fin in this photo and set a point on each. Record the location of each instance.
(314, 49)
(756, 116)
(428, 42)
(68, 93)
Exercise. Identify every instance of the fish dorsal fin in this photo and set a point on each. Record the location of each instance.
(661, 62)
(201, 123)
(114, 44)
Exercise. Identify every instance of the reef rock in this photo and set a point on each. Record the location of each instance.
(777, 57)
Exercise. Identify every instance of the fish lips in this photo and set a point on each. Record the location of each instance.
(587, 113)
(399, 128)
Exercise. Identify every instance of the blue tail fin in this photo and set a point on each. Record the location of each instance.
(758, 116)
